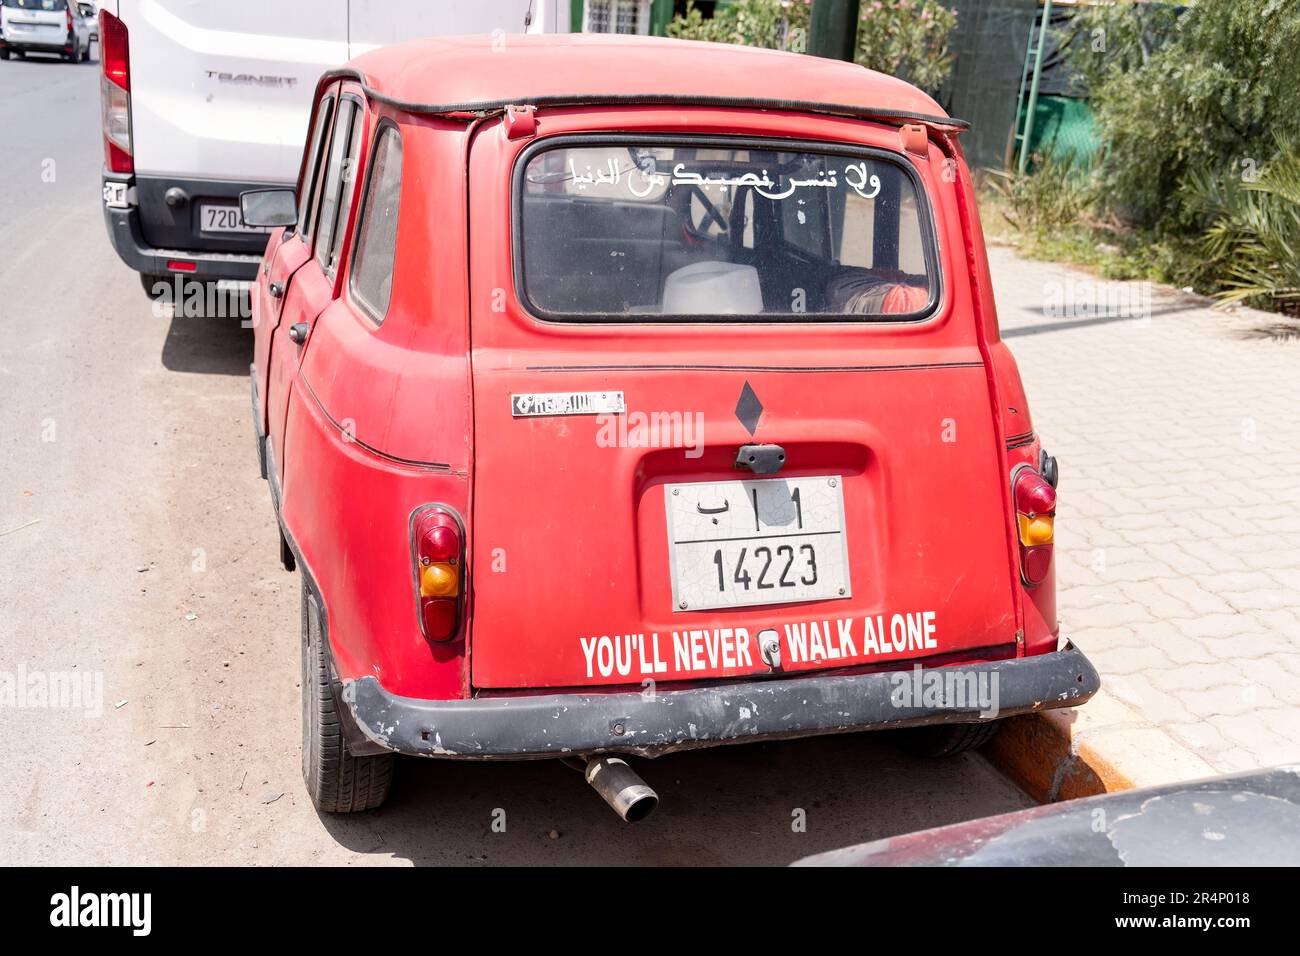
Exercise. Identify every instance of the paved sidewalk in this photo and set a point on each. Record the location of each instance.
(1178, 528)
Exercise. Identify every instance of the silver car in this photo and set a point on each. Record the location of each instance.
(44, 26)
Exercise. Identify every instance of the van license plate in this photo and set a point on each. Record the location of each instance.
(767, 541)
(223, 219)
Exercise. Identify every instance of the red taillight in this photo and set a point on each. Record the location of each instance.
(181, 265)
(117, 159)
(113, 50)
(69, 11)
(1035, 502)
(437, 547)
(115, 93)
(1034, 495)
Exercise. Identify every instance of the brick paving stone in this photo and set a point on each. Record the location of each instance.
(1253, 741)
(1153, 704)
(1227, 700)
(1201, 600)
(1178, 541)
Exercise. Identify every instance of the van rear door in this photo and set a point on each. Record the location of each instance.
(726, 390)
(223, 90)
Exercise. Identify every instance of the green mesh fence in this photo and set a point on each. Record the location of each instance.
(1064, 129)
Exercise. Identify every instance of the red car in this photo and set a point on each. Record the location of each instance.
(622, 395)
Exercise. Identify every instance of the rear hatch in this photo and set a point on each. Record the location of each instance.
(37, 22)
(681, 302)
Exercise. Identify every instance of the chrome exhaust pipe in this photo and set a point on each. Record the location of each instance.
(621, 787)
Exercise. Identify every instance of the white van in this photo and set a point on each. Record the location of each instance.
(44, 26)
(204, 100)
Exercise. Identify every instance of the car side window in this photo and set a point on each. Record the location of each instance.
(349, 127)
(311, 175)
(372, 263)
(335, 168)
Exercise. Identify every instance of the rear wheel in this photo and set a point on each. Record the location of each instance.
(946, 740)
(337, 782)
(4, 54)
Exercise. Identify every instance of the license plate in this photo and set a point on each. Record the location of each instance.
(746, 543)
(223, 219)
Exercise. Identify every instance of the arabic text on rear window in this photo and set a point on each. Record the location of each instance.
(685, 231)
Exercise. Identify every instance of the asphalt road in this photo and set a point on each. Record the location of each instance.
(138, 549)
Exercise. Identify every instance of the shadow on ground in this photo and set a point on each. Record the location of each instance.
(727, 805)
(1283, 330)
(211, 345)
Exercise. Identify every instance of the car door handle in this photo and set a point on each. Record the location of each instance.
(298, 332)
(275, 289)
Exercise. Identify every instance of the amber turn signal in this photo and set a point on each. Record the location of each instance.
(1037, 530)
(439, 579)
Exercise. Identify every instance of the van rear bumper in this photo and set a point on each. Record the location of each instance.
(125, 231)
(567, 724)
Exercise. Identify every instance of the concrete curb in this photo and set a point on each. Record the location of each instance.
(1100, 747)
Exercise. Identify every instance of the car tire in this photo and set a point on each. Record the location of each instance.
(4, 54)
(337, 781)
(947, 740)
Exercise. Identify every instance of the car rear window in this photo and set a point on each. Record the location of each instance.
(721, 231)
(48, 5)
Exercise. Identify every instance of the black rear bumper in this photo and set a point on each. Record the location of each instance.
(176, 236)
(23, 47)
(564, 724)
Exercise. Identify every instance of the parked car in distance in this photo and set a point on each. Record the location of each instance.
(91, 16)
(659, 410)
(43, 26)
(1241, 820)
(202, 101)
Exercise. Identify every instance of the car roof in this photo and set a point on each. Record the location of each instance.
(468, 74)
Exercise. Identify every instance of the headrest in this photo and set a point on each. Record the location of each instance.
(713, 288)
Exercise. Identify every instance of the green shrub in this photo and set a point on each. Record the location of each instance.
(1204, 92)
(764, 23)
(1251, 252)
(905, 38)
(1055, 196)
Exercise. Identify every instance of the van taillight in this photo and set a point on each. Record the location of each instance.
(1035, 502)
(69, 18)
(115, 93)
(437, 547)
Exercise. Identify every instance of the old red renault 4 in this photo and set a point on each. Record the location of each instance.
(622, 395)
